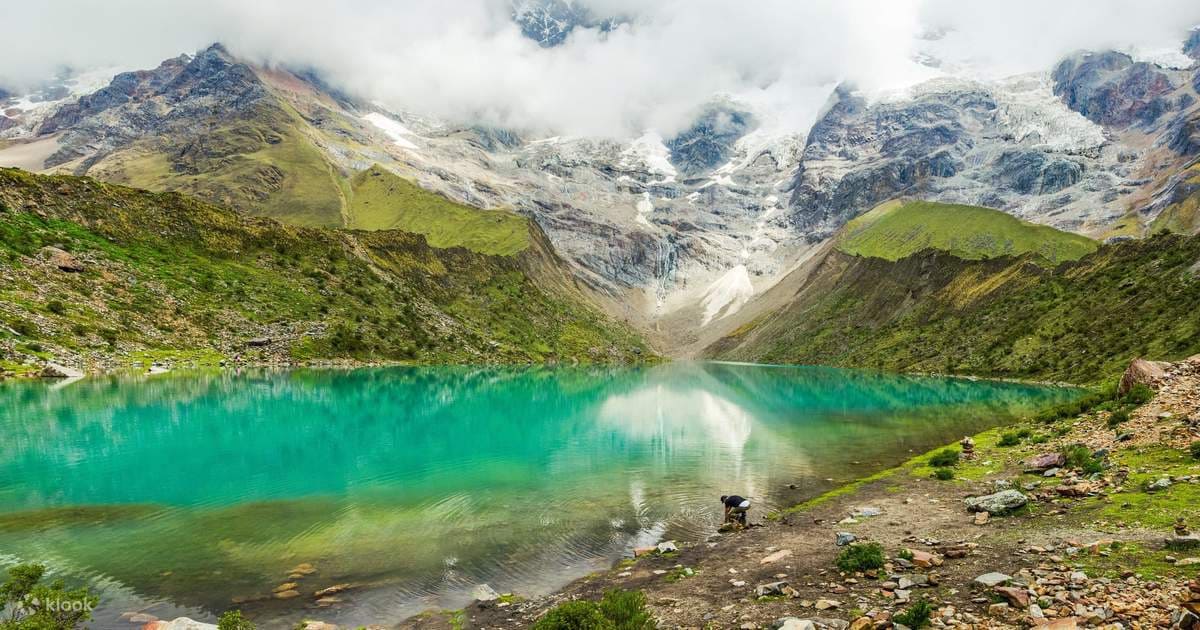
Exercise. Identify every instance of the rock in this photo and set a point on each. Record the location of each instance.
(641, 551)
(287, 586)
(484, 593)
(1036, 612)
(667, 546)
(332, 590)
(862, 623)
(139, 617)
(866, 512)
(317, 625)
(999, 503)
(303, 568)
(259, 342)
(287, 594)
(925, 559)
(769, 589)
(777, 556)
(826, 604)
(179, 623)
(1187, 562)
(998, 610)
(993, 579)
(326, 602)
(793, 623)
(1051, 472)
(845, 538)
(1016, 596)
(1046, 461)
(1142, 372)
(1162, 483)
(62, 260)
(54, 370)
(1183, 543)
(981, 518)
(1066, 623)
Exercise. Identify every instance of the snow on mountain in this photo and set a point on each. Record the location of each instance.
(1028, 109)
(727, 295)
(26, 111)
(398, 133)
(648, 152)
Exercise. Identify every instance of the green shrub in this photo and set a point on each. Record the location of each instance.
(1117, 418)
(905, 554)
(233, 620)
(576, 615)
(1195, 449)
(1139, 394)
(1040, 438)
(27, 604)
(944, 457)
(943, 474)
(860, 557)
(1009, 438)
(1079, 457)
(626, 610)
(58, 307)
(916, 616)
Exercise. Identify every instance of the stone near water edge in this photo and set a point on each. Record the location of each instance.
(998, 503)
(310, 624)
(845, 538)
(777, 556)
(286, 586)
(793, 623)
(667, 546)
(139, 617)
(288, 594)
(1142, 372)
(54, 370)
(484, 593)
(331, 590)
(304, 568)
(179, 623)
(326, 602)
(993, 579)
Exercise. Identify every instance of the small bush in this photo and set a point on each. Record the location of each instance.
(1009, 438)
(626, 610)
(1117, 418)
(1040, 438)
(916, 616)
(905, 554)
(943, 458)
(1079, 457)
(28, 604)
(233, 620)
(576, 615)
(58, 307)
(860, 557)
(1139, 394)
(1195, 449)
(943, 474)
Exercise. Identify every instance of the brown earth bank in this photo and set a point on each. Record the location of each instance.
(1083, 522)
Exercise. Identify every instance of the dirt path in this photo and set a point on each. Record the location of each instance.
(1088, 550)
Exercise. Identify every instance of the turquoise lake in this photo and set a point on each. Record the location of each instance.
(180, 494)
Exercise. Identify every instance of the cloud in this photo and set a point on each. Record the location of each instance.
(467, 61)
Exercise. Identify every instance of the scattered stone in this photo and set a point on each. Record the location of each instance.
(866, 512)
(1046, 461)
(326, 602)
(484, 593)
(772, 588)
(1162, 483)
(993, 579)
(924, 559)
(1051, 472)
(862, 623)
(288, 594)
(667, 546)
(845, 538)
(826, 604)
(981, 518)
(1016, 596)
(1187, 562)
(62, 260)
(332, 590)
(641, 551)
(792, 623)
(139, 617)
(287, 586)
(179, 623)
(303, 569)
(999, 503)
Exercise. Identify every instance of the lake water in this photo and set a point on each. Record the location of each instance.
(182, 493)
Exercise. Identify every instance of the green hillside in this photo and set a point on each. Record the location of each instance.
(934, 312)
(381, 200)
(896, 229)
(161, 274)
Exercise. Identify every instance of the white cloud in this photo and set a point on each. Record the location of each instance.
(466, 60)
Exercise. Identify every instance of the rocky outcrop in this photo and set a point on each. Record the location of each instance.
(1112, 89)
(1142, 372)
(62, 260)
(998, 503)
(709, 142)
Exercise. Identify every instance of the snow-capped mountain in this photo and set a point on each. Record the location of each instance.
(677, 231)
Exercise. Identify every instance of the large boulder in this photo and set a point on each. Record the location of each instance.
(998, 503)
(62, 260)
(1142, 372)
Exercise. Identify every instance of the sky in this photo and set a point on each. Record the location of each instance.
(466, 60)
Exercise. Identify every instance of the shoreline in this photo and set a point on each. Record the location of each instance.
(1065, 545)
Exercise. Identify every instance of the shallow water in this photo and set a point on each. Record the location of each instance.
(179, 493)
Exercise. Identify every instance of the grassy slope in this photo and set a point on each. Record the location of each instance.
(381, 200)
(1079, 322)
(1183, 216)
(167, 274)
(263, 164)
(897, 229)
